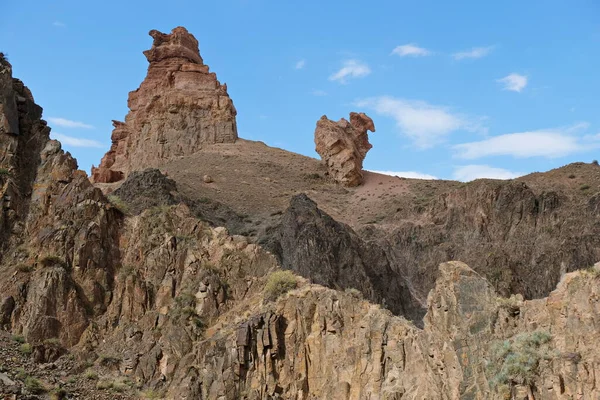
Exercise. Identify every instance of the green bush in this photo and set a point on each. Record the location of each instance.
(119, 204)
(516, 361)
(91, 375)
(34, 386)
(278, 283)
(4, 172)
(584, 187)
(18, 338)
(26, 348)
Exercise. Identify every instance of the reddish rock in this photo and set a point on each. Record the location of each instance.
(343, 146)
(177, 109)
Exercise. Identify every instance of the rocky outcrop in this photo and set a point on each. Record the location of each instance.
(57, 250)
(343, 146)
(312, 244)
(179, 107)
(148, 189)
(520, 240)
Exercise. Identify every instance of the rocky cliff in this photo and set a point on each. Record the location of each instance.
(149, 295)
(179, 107)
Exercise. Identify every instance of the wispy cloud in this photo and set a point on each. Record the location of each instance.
(411, 50)
(59, 24)
(406, 174)
(351, 69)
(318, 92)
(550, 143)
(471, 172)
(67, 123)
(425, 124)
(475, 52)
(300, 64)
(514, 82)
(76, 142)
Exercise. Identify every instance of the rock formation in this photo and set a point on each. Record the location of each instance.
(179, 107)
(343, 146)
(317, 247)
(158, 297)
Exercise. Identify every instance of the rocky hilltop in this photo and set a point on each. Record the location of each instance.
(272, 280)
(179, 107)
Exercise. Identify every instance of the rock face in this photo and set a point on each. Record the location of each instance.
(343, 146)
(317, 247)
(177, 109)
(180, 306)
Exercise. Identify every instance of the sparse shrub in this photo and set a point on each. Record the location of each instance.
(511, 304)
(595, 162)
(572, 176)
(516, 361)
(18, 338)
(314, 176)
(354, 293)
(26, 348)
(4, 172)
(152, 394)
(54, 342)
(21, 374)
(109, 361)
(584, 187)
(34, 386)
(52, 261)
(279, 283)
(24, 268)
(104, 384)
(119, 204)
(91, 375)
(58, 394)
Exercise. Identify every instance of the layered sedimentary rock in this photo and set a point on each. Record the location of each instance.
(179, 107)
(343, 146)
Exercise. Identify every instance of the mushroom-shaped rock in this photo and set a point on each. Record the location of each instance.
(343, 146)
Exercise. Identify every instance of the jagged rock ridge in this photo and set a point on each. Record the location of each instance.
(179, 107)
(343, 146)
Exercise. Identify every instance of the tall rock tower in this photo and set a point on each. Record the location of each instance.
(179, 107)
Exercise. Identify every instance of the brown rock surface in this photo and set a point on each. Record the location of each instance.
(343, 146)
(179, 107)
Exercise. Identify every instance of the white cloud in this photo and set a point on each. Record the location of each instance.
(475, 52)
(550, 143)
(406, 174)
(410, 50)
(514, 82)
(67, 123)
(76, 142)
(425, 124)
(351, 69)
(317, 92)
(471, 172)
(300, 64)
(58, 24)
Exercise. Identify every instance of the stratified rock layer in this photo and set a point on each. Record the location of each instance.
(343, 146)
(178, 108)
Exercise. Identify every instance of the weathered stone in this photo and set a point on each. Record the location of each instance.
(343, 146)
(178, 108)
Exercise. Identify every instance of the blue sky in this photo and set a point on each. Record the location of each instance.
(457, 90)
